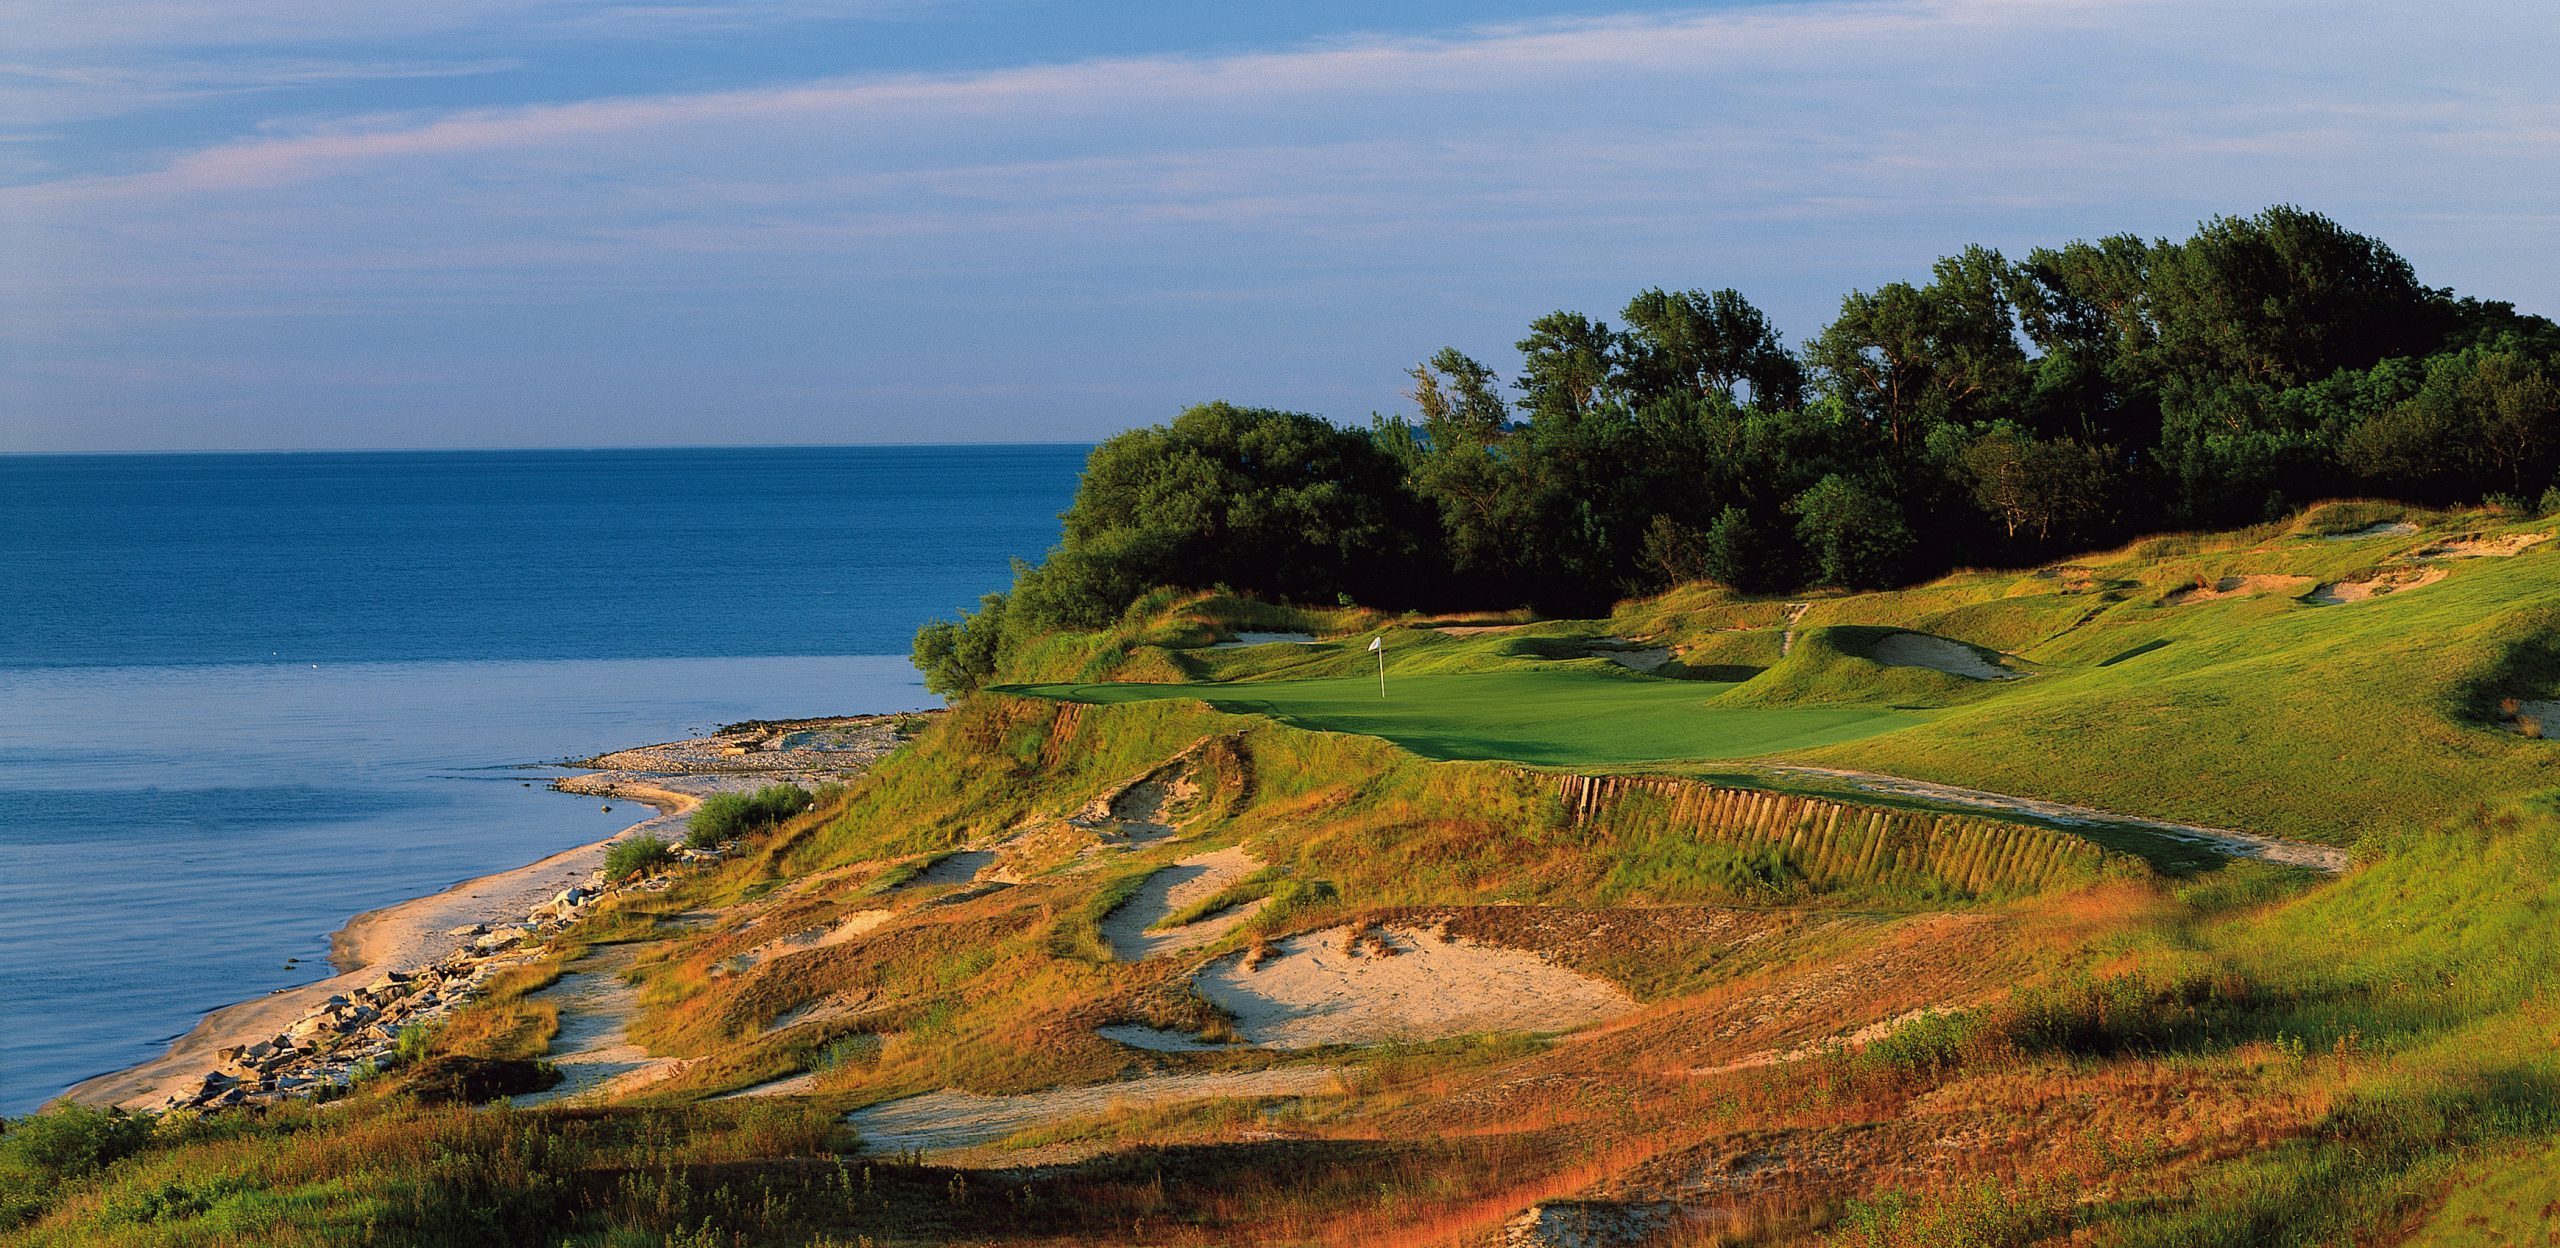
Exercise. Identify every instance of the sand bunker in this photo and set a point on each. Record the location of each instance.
(2237, 587)
(1355, 985)
(951, 1119)
(2483, 547)
(1938, 654)
(1633, 655)
(2389, 581)
(1172, 890)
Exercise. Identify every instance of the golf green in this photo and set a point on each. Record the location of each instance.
(1561, 719)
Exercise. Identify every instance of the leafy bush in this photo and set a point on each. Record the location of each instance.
(459, 1080)
(728, 816)
(72, 1141)
(633, 856)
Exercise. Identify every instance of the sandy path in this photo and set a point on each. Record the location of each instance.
(593, 1048)
(1335, 987)
(1795, 613)
(2225, 841)
(952, 1119)
(1170, 890)
(1939, 654)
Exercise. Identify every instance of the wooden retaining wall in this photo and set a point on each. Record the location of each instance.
(1835, 841)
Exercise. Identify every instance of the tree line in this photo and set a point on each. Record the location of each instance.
(2002, 411)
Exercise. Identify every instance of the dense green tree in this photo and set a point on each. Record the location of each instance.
(1907, 359)
(1701, 343)
(1853, 536)
(1565, 365)
(2035, 488)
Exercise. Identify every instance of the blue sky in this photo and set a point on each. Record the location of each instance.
(234, 224)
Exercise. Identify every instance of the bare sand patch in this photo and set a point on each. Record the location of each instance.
(1938, 654)
(852, 926)
(2530, 717)
(1361, 985)
(2379, 528)
(2380, 584)
(2483, 547)
(2237, 587)
(1170, 891)
(952, 1119)
(1158, 1039)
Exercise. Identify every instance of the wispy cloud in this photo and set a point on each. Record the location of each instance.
(1299, 219)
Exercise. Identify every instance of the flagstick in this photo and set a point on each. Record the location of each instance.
(1382, 671)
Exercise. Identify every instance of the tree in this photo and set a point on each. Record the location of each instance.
(2481, 421)
(1701, 343)
(2284, 297)
(1281, 504)
(957, 656)
(1907, 359)
(2033, 486)
(1460, 400)
(1565, 365)
(1854, 536)
(1739, 552)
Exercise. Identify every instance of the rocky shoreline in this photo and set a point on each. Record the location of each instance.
(420, 960)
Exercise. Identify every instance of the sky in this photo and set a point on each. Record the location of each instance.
(308, 224)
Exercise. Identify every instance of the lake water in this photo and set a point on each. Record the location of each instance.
(244, 697)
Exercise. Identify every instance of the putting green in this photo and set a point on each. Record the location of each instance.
(1560, 719)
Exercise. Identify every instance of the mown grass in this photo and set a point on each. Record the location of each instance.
(1546, 718)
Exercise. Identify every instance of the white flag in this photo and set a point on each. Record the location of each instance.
(1377, 643)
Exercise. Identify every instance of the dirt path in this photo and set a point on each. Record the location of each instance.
(593, 1050)
(2225, 841)
(1795, 613)
(1362, 985)
(1168, 892)
(950, 1119)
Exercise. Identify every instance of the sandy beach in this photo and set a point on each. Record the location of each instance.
(672, 777)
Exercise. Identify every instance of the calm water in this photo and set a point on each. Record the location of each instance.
(244, 697)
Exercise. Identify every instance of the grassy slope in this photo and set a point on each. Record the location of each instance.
(2262, 711)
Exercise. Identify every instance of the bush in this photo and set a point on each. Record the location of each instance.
(728, 816)
(72, 1141)
(631, 857)
(459, 1080)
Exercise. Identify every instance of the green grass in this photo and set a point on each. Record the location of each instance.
(1552, 718)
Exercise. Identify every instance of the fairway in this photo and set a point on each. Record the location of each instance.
(1559, 719)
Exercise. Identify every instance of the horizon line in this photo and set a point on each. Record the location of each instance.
(491, 450)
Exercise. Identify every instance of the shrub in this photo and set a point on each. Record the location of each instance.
(728, 816)
(72, 1141)
(459, 1080)
(633, 856)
